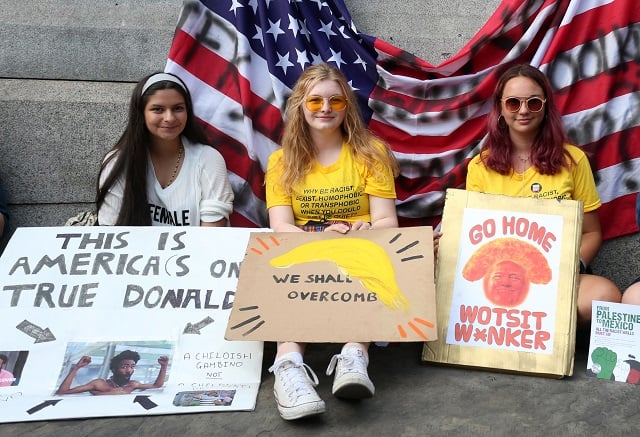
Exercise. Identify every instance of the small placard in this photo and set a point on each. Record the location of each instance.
(614, 348)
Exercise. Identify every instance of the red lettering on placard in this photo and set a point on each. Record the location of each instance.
(532, 231)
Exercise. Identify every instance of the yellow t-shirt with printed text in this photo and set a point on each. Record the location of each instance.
(576, 183)
(339, 191)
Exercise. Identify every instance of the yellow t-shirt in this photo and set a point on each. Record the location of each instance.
(339, 191)
(576, 183)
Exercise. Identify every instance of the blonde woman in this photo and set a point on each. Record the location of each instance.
(326, 148)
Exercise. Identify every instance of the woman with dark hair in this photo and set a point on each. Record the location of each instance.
(526, 154)
(161, 172)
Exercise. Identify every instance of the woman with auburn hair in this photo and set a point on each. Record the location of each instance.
(526, 154)
(326, 147)
(161, 171)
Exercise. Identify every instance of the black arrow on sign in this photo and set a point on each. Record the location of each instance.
(41, 335)
(194, 328)
(50, 402)
(145, 402)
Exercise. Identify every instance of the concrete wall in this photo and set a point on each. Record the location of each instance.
(67, 68)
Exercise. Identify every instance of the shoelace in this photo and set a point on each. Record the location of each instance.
(349, 363)
(296, 378)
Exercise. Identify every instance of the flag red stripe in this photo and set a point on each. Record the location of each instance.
(586, 27)
(239, 221)
(406, 188)
(431, 102)
(591, 92)
(400, 141)
(613, 149)
(613, 219)
(237, 159)
(216, 71)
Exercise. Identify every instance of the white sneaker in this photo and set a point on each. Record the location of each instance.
(294, 390)
(351, 380)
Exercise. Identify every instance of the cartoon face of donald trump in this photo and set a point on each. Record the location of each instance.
(507, 266)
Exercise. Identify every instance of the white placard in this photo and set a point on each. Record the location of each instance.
(510, 314)
(164, 293)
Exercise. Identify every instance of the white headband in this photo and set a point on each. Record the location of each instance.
(159, 78)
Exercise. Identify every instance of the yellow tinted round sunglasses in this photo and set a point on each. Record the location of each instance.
(315, 103)
(534, 104)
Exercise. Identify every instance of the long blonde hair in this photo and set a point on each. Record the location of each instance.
(298, 152)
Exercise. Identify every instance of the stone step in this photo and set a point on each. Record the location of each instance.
(85, 40)
(55, 133)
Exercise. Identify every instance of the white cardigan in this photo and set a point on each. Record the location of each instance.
(200, 192)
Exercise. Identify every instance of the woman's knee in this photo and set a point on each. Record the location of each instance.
(599, 288)
(632, 294)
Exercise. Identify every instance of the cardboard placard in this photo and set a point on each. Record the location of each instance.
(73, 299)
(614, 347)
(373, 285)
(507, 280)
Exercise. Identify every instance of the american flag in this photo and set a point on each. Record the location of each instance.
(240, 59)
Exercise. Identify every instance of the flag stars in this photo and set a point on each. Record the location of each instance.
(304, 30)
(283, 62)
(317, 59)
(326, 28)
(320, 3)
(235, 4)
(361, 62)
(258, 35)
(294, 25)
(342, 30)
(274, 29)
(302, 58)
(254, 5)
(336, 57)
